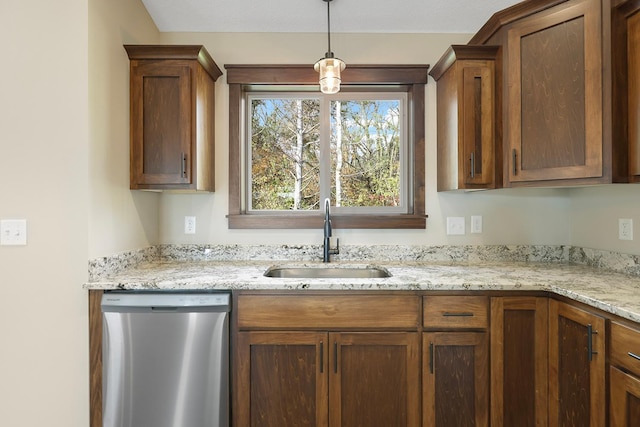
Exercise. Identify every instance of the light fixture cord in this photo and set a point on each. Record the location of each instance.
(329, 26)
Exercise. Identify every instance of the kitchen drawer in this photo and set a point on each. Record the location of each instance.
(455, 312)
(322, 312)
(625, 348)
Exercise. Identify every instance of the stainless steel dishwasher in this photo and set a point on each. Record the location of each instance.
(165, 359)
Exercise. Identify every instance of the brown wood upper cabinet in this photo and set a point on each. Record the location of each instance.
(172, 91)
(466, 110)
(626, 83)
(554, 94)
(567, 96)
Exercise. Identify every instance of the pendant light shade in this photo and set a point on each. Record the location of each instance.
(329, 67)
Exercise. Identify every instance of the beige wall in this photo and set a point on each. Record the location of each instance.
(43, 178)
(594, 215)
(63, 157)
(119, 219)
(533, 216)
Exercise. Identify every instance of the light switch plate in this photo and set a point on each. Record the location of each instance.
(13, 232)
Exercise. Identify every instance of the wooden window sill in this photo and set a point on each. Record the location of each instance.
(283, 221)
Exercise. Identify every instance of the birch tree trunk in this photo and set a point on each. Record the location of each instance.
(297, 191)
(338, 176)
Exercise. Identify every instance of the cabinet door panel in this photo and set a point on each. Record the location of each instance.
(374, 379)
(161, 123)
(633, 71)
(455, 379)
(477, 123)
(625, 399)
(282, 379)
(519, 373)
(555, 94)
(576, 366)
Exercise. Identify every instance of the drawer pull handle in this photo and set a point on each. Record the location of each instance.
(635, 356)
(457, 314)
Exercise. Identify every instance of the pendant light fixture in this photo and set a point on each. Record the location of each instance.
(329, 67)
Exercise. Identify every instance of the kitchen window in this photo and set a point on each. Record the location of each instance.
(290, 147)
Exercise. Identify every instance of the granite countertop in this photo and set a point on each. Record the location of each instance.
(612, 292)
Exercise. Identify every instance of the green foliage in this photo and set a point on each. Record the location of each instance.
(286, 155)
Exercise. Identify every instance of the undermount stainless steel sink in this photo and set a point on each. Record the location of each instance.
(327, 272)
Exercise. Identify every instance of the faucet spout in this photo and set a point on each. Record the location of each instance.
(327, 251)
(327, 219)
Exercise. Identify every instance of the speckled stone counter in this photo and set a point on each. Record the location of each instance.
(539, 269)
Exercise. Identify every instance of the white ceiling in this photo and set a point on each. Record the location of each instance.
(347, 16)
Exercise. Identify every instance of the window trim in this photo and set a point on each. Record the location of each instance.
(412, 76)
(398, 95)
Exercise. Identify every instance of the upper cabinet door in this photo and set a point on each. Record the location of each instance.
(160, 122)
(554, 95)
(466, 110)
(633, 73)
(625, 53)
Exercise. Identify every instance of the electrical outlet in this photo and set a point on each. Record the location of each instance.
(455, 225)
(625, 229)
(13, 232)
(189, 225)
(476, 224)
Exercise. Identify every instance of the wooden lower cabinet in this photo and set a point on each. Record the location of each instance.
(282, 379)
(576, 366)
(455, 379)
(519, 361)
(624, 398)
(624, 376)
(328, 379)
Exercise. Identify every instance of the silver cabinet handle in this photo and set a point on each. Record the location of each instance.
(635, 356)
(184, 165)
(473, 164)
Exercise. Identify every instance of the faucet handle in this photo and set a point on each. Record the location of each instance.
(334, 250)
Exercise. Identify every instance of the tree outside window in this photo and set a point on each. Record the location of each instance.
(305, 149)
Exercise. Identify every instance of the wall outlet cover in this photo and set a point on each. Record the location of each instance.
(455, 225)
(625, 229)
(189, 225)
